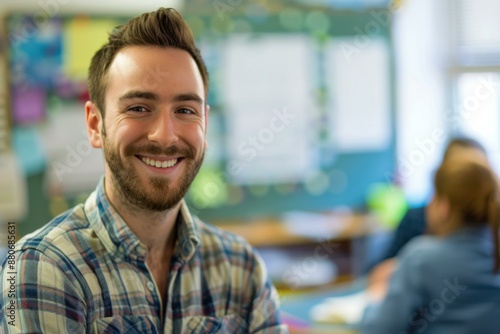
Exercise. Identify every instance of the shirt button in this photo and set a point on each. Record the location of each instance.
(151, 286)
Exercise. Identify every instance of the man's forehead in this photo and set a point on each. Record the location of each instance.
(149, 68)
(152, 60)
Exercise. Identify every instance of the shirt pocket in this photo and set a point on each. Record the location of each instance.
(232, 324)
(129, 324)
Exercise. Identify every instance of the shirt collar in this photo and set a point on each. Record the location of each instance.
(483, 230)
(188, 238)
(119, 239)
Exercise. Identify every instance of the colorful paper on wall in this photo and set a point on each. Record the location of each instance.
(29, 151)
(82, 38)
(34, 51)
(28, 104)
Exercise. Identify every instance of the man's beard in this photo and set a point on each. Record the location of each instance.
(158, 194)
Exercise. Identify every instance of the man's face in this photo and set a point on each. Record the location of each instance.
(155, 126)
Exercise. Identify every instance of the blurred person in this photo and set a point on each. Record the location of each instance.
(413, 224)
(132, 258)
(448, 282)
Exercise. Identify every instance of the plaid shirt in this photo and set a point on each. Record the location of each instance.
(85, 272)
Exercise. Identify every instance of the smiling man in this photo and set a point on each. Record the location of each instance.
(132, 259)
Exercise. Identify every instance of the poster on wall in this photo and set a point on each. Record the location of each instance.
(358, 81)
(269, 108)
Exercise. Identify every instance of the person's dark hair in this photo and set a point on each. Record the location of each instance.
(164, 27)
(472, 190)
(464, 142)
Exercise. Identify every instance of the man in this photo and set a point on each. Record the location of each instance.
(132, 259)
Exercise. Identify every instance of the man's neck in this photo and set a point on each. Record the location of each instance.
(156, 230)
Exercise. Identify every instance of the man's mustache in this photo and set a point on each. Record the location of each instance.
(157, 150)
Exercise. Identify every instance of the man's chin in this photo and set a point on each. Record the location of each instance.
(157, 205)
(161, 199)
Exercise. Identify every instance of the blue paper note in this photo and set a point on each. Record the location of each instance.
(27, 147)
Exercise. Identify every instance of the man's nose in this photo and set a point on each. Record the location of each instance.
(163, 129)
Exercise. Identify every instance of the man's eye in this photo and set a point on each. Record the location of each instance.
(137, 109)
(185, 111)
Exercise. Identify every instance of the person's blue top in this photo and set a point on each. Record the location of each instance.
(412, 225)
(441, 286)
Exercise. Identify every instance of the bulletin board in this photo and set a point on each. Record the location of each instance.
(49, 61)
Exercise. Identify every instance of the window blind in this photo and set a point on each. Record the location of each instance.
(476, 31)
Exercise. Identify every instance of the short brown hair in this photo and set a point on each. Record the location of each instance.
(163, 27)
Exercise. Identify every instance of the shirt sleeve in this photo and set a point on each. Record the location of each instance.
(38, 296)
(399, 310)
(264, 314)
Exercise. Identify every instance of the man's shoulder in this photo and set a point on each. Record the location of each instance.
(223, 251)
(213, 237)
(57, 232)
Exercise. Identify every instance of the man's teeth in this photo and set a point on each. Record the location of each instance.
(160, 164)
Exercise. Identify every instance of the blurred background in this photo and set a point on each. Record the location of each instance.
(327, 117)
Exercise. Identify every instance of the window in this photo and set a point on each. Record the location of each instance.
(475, 72)
(475, 32)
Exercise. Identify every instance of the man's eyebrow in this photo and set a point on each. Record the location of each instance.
(188, 97)
(137, 94)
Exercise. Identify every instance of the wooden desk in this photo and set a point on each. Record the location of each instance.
(275, 232)
(342, 241)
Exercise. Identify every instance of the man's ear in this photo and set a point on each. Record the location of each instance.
(207, 111)
(94, 124)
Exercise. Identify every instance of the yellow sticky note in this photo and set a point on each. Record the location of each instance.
(83, 36)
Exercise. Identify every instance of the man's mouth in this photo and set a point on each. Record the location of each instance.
(160, 163)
